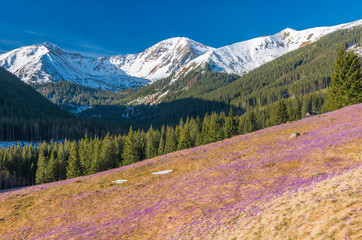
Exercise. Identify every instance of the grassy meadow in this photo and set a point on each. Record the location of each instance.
(263, 185)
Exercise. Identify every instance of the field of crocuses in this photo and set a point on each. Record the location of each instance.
(263, 185)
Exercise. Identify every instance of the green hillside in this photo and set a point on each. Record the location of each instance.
(27, 115)
(22, 101)
(298, 73)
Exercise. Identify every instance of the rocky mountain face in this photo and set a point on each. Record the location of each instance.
(240, 58)
(162, 59)
(172, 57)
(48, 62)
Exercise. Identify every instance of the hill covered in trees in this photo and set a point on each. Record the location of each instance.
(27, 115)
(303, 71)
(297, 73)
(267, 183)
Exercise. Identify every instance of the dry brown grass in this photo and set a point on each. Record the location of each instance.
(213, 193)
(330, 209)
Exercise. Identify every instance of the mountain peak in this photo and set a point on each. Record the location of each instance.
(162, 59)
(50, 45)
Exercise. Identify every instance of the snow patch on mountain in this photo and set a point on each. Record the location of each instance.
(162, 59)
(48, 63)
(151, 99)
(240, 58)
(171, 57)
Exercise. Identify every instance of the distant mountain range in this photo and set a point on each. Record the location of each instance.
(172, 57)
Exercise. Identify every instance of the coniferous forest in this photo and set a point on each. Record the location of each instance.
(52, 161)
(277, 92)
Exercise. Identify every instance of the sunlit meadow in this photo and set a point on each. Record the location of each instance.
(263, 185)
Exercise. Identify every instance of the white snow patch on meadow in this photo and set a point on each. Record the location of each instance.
(162, 172)
(120, 181)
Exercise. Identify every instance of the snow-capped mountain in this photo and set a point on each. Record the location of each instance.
(162, 59)
(240, 58)
(48, 62)
(174, 56)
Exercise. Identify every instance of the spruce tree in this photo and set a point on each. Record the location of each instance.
(229, 124)
(171, 140)
(61, 162)
(51, 168)
(74, 168)
(96, 165)
(185, 137)
(84, 154)
(131, 151)
(40, 176)
(249, 122)
(108, 153)
(281, 113)
(346, 81)
(161, 147)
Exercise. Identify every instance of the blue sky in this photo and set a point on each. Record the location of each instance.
(110, 27)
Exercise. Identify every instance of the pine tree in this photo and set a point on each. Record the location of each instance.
(185, 137)
(62, 162)
(85, 154)
(171, 140)
(212, 128)
(281, 113)
(108, 153)
(249, 122)
(96, 165)
(74, 168)
(152, 143)
(51, 168)
(131, 151)
(119, 142)
(229, 124)
(161, 147)
(40, 176)
(346, 81)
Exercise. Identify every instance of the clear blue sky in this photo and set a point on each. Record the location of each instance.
(110, 27)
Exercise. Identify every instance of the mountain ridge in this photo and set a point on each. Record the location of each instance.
(171, 57)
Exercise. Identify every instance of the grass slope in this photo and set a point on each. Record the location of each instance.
(260, 185)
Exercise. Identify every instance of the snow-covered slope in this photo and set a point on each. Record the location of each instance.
(162, 59)
(47, 62)
(242, 57)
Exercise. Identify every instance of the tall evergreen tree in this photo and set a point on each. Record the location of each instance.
(96, 165)
(185, 137)
(229, 124)
(346, 81)
(171, 140)
(74, 168)
(131, 151)
(249, 122)
(62, 162)
(161, 147)
(51, 168)
(281, 113)
(40, 176)
(108, 153)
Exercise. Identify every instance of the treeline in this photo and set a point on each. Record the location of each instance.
(64, 92)
(26, 115)
(22, 166)
(21, 129)
(300, 72)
